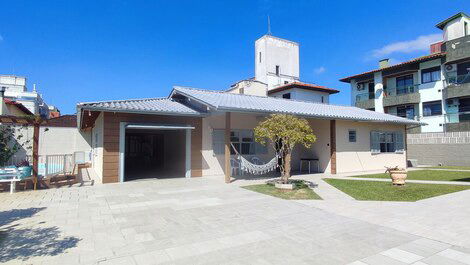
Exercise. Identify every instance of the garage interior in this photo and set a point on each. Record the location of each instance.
(151, 153)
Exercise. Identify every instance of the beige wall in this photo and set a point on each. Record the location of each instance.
(63, 140)
(97, 146)
(250, 88)
(320, 149)
(214, 164)
(351, 157)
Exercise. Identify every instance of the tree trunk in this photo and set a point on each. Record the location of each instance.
(287, 159)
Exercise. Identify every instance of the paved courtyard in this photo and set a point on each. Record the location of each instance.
(204, 221)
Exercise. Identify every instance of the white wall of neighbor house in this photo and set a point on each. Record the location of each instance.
(304, 95)
(319, 150)
(455, 28)
(213, 164)
(63, 140)
(97, 146)
(357, 156)
(250, 87)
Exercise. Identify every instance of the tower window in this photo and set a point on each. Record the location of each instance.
(465, 28)
(278, 70)
(322, 99)
(286, 96)
(259, 57)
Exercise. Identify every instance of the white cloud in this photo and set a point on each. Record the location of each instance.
(319, 70)
(419, 44)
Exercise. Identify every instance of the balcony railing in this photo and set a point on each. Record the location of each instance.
(457, 80)
(364, 97)
(401, 90)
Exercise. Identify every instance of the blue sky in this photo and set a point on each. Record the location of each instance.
(78, 51)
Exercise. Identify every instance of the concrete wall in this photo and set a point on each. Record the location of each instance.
(63, 140)
(352, 157)
(250, 87)
(455, 28)
(449, 149)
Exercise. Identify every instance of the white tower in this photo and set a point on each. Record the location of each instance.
(276, 61)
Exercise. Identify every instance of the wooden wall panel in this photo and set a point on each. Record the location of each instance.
(111, 140)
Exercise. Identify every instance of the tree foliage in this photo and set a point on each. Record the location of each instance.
(10, 142)
(284, 132)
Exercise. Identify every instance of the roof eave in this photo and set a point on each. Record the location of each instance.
(199, 114)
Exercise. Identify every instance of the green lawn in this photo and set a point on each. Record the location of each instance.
(451, 167)
(299, 194)
(428, 175)
(384, 191)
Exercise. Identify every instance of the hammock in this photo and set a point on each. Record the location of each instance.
(255, 169)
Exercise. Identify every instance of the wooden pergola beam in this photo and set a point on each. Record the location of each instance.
(36, 122)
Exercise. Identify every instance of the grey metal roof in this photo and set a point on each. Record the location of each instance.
(151, 105)
(245, 103)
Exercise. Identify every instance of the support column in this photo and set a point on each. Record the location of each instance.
(333, 146)
(188, 153)
(35, 154)
(228, 169)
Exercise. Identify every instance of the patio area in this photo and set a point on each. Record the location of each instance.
(204, 221)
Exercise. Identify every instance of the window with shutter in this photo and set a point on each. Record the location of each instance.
(399, 141)
(374, 142)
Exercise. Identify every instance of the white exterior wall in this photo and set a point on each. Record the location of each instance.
(455, 28)
(97, 146)
(250, 88)
(432, 91)
(304, 95)
(356, 157)
(63, 140)
(275, 51)
(379, 95)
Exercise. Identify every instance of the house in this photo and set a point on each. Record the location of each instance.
(434, 88)
(277, 73)
(191, 132)
(15, 89)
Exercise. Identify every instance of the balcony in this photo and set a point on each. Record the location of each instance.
(457, 49)
(457, 122)
(401, 96)
(365, 101)
(458, 86)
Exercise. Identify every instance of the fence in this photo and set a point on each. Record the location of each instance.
(49, 164)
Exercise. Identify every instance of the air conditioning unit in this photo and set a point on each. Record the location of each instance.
(450, 68)
(359, 86)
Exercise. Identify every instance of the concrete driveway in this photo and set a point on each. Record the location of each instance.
(204, 221)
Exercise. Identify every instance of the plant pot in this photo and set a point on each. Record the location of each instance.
(398, 177)
(284, 186)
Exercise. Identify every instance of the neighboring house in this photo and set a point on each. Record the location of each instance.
(16, 90)
(277, 73)
(187, 133)
(13, 108)
(434, 89)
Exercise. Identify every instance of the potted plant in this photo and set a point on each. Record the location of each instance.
(285, 132)
(398, 175)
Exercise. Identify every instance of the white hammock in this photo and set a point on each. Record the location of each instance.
(255, 169)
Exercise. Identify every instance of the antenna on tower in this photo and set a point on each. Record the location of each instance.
(269, 26)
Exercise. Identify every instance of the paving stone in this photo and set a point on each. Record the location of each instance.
(401, 255)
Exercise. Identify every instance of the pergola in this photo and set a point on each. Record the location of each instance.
(36, 122)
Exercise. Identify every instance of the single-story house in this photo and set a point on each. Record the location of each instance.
(189, 134)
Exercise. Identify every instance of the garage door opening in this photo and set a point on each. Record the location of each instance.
(151, 153)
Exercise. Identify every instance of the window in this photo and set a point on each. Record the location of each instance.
(431, 74)
(322, 99)
(286, 82)
(259, 57)
(406, 112)
(432, 108)
(405, 84)
(386, 142)
(243, 141)
(278, 70)
(242, 90)
(286, 96)
(465, 28)
(352, 136)
(371, 91)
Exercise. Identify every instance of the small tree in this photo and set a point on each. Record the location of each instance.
(10, 142)
(285, 132)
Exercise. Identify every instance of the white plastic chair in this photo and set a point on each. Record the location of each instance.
(235, 166)
(256, 160)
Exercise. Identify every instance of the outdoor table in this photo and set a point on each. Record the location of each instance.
(309, 160)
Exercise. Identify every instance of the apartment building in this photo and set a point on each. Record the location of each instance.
(434, 88)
